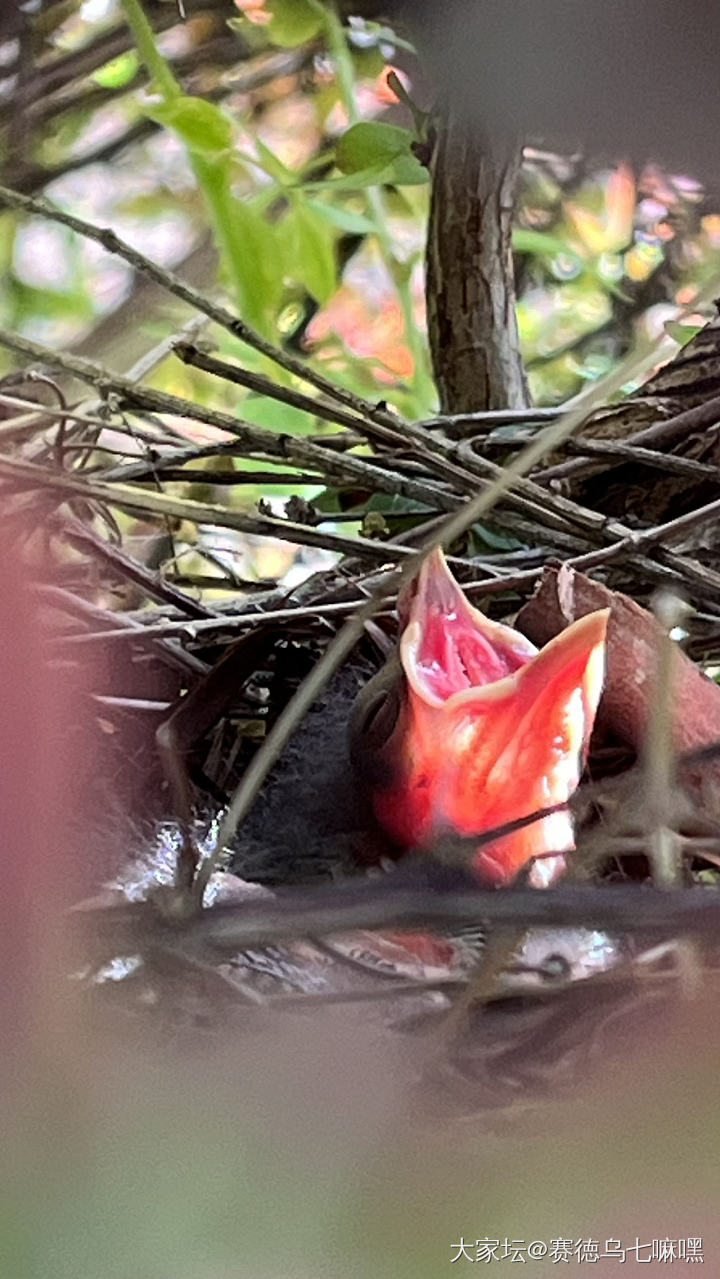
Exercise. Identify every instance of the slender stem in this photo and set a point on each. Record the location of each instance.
(165, 505)
(421, 381)
(659, 750)
(144, 36)
(212, 176)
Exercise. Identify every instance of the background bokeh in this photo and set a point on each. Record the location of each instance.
(306, 1144)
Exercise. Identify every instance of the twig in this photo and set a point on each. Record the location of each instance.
(457, 425)
(659, 755)
(225, 624)
(172, 653)
(16, 428)
(411, 898)
(112, 243)
(674, 463)
(262, 385)
(230, 479)
(251, 438)
(667, 432)
(127, 567)
(163, 504)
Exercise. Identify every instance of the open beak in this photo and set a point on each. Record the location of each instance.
(487, 730)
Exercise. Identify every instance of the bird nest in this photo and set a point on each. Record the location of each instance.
(214, 705)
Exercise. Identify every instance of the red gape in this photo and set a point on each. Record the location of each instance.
(489, 729)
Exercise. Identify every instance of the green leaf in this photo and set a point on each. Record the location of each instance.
(484, 537)
(396, 504)
(276, 416)
(343, 219)
(294, 21)
(397, 173)
(402, 513)
(118, 71)
(258, 262)
(327, 500)
(374, 176)
(682, 333)
(272, 165)
(539, 243)
(202, 126)
(313, 261)
(372, 145)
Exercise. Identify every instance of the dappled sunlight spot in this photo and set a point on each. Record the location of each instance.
(554, 382)
(550, 319)
(365, 312)
(711, 227)
(254, 10)
(611, 229)
(652, 323)
(641, 260)
(290, 129)
(380, 335)
(254, 558)
(197, 432)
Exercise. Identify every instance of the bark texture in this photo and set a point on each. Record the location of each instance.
(470, 285)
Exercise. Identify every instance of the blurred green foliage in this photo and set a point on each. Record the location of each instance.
(299, 169)
(290, 137)
(303, 1150)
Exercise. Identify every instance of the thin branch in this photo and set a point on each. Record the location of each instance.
(171, 653)
(18, 427)
(232, 323)
(125, 566)
(223, 625)
(668, 433)
(417, 897)
(674, 463)
(232, 479)
(262, 385)
(252, 438)
(456, 426)
(163, 504)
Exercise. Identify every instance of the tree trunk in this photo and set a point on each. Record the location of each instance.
(470, 286)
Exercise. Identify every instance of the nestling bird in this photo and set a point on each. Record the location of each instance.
(467, 728)
(470, 727)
